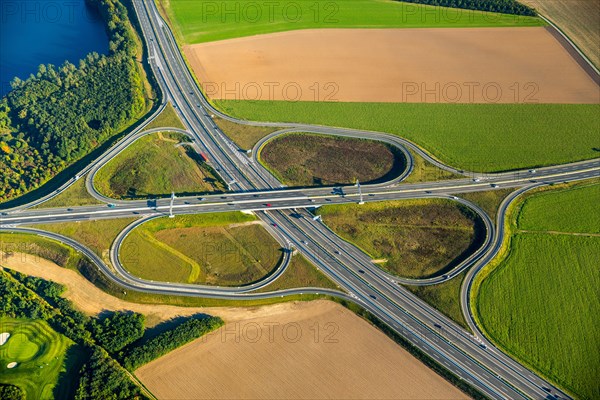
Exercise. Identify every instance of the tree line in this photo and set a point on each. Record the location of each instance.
(497, 6)
(60, 114)
(112, 341)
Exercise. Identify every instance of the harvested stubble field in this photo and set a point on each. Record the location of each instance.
(435, 65)
(551, 264)
(314, 160)
(409, 238)
(295, 351)
(218, 249)
(155, 165)
(579, 19)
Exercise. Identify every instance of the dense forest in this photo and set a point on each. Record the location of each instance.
(59, 115)
(499, 6)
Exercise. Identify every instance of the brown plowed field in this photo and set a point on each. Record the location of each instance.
(316, 350)
(446, 65)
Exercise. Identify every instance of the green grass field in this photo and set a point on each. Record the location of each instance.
(39, 246)
(75, 195)
(302, 159)
(167, 118)
(245, 136)
(409, 238)
(300, 273)
(541, 302)
(205, 22)
(489, 200)
(155, 165)
(218, 249)
(40, 353)
(97, 235)
(445, 297)
(479, 137)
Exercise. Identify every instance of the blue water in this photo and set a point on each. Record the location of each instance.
(34, 32)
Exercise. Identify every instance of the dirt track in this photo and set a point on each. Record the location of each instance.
(462, 65)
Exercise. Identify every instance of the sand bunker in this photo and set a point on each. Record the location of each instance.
(4, 337)
(440, 65)
(11, 365)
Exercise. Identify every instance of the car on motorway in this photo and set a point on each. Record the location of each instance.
(494, 185)
(111, 205)
(360, 271)
(337, 252)
(201, 199)
(268, 205)
(532, 171)
(476, 180)
(275, 225)
(373, 296)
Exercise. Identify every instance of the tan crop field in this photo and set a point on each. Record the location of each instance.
(295, 351)
(441, 65)
(579, 19)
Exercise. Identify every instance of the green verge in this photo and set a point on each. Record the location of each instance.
(410, 238)
(445, 297)
(220, 249)
(489, 201)
(245, 136)
(166, 119)
(98, 236)
(300, 273)
(40, 353)
(305, 159)
(74, 195)
(154, 166)
(69, 258)
(477, 137)
(194, 23)
(549, 262)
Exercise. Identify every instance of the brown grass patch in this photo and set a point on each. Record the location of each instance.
(313, 350)
(313, 160)
(389, 65)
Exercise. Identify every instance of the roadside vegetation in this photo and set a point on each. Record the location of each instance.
(489, 200)
(154, 166)
(74, 195)
(549, 262)
(445, 297)
(473, 137)
(300, 273)
(424, 171)
(316, 160)
(409, 238)
(95, 100)
(96, 235)
(193, 24)
(228, 249)
(166, 119)
(245, 136)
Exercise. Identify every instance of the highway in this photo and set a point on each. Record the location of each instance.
(283, 210)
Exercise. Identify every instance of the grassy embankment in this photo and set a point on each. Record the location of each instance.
(539, 299)
(476, 137)
(166, 119)
(194, 24)
(302, 159)
(155, 165)
(74, 195)
(409, 238)
(41, 354)
(219, 249)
